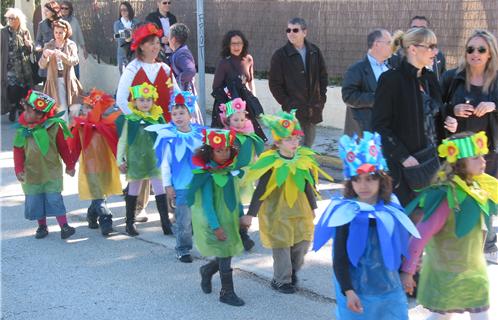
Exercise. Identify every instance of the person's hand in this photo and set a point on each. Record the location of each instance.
(353, 302)
(220, 234)
(47, 53)
(410, 162)
(483, 108)
(70, 172)
(20, 176)
(245, 221)
(123, 168)
(38, 48)
(170, 192)
(463, 110)
(408, 283)
(451, 124)
(164, 40)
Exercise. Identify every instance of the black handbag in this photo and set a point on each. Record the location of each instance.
(420, 176)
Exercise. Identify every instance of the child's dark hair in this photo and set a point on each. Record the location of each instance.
(177, 106)
(205, 153)
(385, 187)
(449, 170)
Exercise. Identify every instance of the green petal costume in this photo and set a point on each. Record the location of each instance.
(250, 147)
(454, 275)
(42, 166)
(140, 155)
(215, 202)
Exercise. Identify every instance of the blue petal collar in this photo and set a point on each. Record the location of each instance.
(393, 227)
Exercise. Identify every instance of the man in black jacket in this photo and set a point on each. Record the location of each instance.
(360, 82)
(298, 78)
(163, 19)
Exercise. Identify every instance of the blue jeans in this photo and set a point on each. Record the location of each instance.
(183, 225)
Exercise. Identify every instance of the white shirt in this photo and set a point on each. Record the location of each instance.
(129, 73)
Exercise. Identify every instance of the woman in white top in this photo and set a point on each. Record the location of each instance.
(122, 33)
(145, 68)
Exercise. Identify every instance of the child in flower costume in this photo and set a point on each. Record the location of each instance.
(39, 145)
(250, 146)
(370, 234)
(284, 198)
(215, 202)
(95, 139)
(175, 145)
(136, 155)
(456, 209)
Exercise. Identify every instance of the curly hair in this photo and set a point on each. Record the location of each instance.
(227, 38)
(63, 24)
(205, 153)
(385, 187)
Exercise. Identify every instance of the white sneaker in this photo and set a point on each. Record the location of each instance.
(141, 217)
(492, 257)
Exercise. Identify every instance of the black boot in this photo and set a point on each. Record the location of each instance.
(91, 217)
(246, 240)
(131, 204)
(207, 271)
(162, 207)
(67, 231)
(227, 295)
(105, 219)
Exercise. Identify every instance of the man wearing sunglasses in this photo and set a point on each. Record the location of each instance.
(163, 19)
(298, 78)
(360, 82)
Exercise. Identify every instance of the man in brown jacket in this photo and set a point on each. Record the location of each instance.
(298, 78)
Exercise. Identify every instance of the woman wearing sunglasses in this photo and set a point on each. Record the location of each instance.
(406, 113)
(471, 94)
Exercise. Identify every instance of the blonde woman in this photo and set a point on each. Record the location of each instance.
(407, 104)
(16, 47)
(471, 94)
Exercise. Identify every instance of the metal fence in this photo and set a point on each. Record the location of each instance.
(338, 27)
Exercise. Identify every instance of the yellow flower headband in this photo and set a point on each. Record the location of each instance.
(468, 147)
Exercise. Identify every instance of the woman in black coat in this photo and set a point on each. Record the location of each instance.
(407, 104)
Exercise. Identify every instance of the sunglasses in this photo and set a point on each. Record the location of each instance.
(471, 49)
(64, 8)
(430, 47)
(295, 30)
(166, 2)
(11, 18)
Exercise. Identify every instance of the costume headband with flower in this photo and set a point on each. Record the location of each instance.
(39, 101)
(144, 90)
(283, 124)
(99, 101)
(183, 98)
(460, 148)
(218, 138)
(143, 32)
(361, 155)
(231, 107)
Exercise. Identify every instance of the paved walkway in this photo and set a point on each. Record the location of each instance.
(123, 277)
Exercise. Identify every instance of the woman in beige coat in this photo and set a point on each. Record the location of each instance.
(60, 55)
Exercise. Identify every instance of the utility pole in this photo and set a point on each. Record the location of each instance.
(201, 94)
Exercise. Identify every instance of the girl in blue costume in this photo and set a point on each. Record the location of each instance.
(370, 235)
(215, 202)
(250, 145)
(136, 156)
(456, 209)
(175, 145)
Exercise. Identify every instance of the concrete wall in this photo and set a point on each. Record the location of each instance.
(106, 77)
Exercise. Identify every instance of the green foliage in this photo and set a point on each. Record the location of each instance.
(3, 7)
